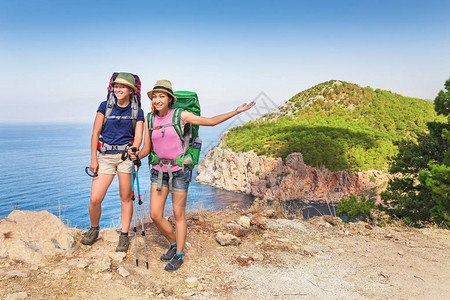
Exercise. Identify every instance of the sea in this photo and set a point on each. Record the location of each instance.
(43, 168)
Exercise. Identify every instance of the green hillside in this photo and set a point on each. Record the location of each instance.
(339, 125)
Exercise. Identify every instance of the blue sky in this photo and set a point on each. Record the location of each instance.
(56, 57)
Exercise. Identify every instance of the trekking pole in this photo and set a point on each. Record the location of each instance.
(124, 157)
(137, 163)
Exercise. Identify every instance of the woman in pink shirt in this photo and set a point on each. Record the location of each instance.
(167, 145)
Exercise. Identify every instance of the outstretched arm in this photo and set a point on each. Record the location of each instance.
(204, 121)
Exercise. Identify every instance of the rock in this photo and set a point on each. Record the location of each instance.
(244, 221)
(191, 282)
(383, 277)
(110, 235)
(335, 221)
(82, 263)
(283, 240)
(244, 260)
(123, 272)
(100, 265)
(270, 213)
(15, 273)
(258, 257)
(59, 271)
(309, 251)
(227, 239)
(239, 232)
(188, 294)
(258, 220)
(19, 295)
(198, 218)
(73, 262)
(117, 256)
(78, 262)
(33, 237)
(232, 226)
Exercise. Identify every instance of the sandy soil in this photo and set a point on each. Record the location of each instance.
(279, 259)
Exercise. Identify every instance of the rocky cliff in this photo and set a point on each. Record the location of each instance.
(283, 179)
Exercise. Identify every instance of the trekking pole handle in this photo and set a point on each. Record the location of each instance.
(137, 161)
(125, 151)
(88, 171)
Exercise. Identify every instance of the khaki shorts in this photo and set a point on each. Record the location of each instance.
(112, 163)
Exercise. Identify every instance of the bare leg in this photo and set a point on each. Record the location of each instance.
(125, 200)
(179, 212)
(100, 185)
(157, 203)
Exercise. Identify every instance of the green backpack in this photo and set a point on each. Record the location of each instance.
(189, 134)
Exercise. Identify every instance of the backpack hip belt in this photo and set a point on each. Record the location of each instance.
(169, 163)
(103, 146)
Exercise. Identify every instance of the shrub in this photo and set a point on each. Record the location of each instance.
(354, 208)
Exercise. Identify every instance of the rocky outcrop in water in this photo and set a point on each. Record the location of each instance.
(283, 179)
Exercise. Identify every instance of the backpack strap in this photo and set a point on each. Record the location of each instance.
(110, 105)
(150, 117)
(134, 109)
(150, 120)
(183, 133)
(176, 120)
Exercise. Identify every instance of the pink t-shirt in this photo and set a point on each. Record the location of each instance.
(167, 145)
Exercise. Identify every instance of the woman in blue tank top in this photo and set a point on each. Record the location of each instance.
(109, 139)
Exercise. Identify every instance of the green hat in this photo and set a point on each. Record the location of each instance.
(125, 79)
(162, 86)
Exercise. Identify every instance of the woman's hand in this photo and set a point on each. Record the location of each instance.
(93, 167)
(133, 155)
(245, 107)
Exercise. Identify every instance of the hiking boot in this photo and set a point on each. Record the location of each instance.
(124, 242)
(174, 264)
(90, 237)
(169, 254)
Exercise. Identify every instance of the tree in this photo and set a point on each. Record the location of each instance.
(442, 101)
(422, 192)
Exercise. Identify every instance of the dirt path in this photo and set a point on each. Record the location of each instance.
(279, 259)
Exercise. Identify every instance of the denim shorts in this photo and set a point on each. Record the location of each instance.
(180, 179)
